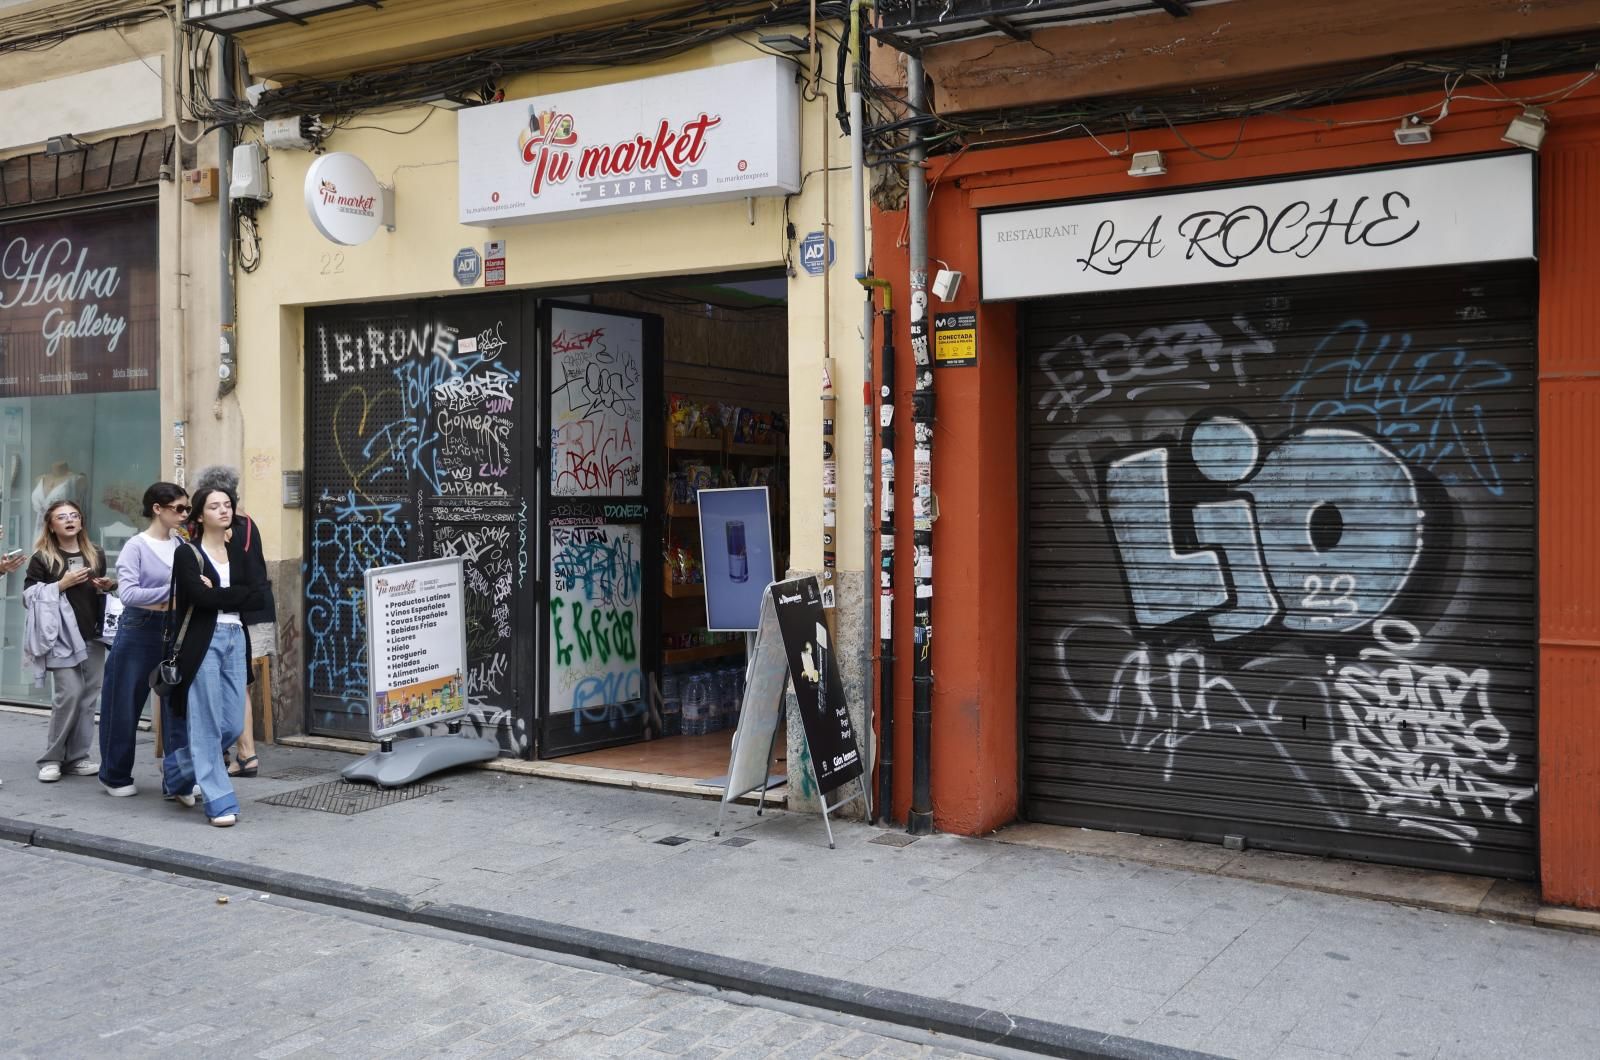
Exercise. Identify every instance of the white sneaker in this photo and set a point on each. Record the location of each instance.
(119, 793)
(227, 820)
(84, 767)
(187, 799)
(50, 772)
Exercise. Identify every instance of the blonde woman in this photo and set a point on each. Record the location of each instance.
(64, 591)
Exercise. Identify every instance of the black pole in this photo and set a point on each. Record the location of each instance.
(886, 571)
(920, 820)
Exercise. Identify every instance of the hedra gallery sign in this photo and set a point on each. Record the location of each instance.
(725, 132)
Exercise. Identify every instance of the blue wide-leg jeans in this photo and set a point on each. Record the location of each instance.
(124, 690)
(216, 716)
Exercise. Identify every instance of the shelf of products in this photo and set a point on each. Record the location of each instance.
(679, 656)
(682, 511)
(682, 590)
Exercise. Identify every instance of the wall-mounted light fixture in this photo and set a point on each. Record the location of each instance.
(787, 43)
(1147, 164)
(65, 144)
(1413, 130)
(1528, 128)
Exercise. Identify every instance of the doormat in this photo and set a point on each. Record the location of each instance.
(343, 797)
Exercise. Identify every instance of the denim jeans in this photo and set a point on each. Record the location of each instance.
(216, 718)
(123, 691)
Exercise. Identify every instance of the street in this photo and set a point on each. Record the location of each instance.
(103, 960)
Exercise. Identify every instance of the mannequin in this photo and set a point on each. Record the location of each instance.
(60, 483)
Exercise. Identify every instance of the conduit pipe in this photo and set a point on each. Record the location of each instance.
(227, 364)
(920, 820)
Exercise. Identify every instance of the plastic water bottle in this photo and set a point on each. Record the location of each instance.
(671, 705)
(696, 707)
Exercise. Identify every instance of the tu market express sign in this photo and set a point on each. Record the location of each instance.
(725, 132)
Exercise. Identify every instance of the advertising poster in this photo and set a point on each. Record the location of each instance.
(823, 712)
(416, 644)
(736, 545)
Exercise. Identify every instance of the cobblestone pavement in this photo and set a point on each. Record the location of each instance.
(103, 960)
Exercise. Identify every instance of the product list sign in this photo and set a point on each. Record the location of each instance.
(1446, 213)
(726, 132)
(80, 305)
(416, 643)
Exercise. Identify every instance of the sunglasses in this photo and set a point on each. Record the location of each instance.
(181, 509)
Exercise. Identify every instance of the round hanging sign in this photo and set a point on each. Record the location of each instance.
(343, 198)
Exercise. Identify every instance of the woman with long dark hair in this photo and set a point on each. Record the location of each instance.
(144, 582)
(214, 584)
(65, 594)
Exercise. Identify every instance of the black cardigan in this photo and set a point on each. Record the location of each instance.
(255, 559)
(88, 603)
(207, 603)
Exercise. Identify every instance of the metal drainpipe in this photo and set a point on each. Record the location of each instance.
(885, 557)
(227, 365)
(920, 820)
(858, 220)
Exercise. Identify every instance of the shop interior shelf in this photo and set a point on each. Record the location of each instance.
(751, 449)
(680, 592)
(683, 511)
(674, 656)
(694, 445)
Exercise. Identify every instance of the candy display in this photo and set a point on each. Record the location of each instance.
(693, 419)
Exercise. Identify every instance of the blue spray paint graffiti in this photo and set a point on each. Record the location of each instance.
(1426, 403)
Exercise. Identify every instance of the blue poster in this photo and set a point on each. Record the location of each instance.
(736, 547)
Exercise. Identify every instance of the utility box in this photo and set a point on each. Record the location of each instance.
(200, 185)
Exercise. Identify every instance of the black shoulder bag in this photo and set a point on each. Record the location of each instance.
(166, 676)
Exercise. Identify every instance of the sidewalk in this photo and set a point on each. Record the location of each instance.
(1094, 945)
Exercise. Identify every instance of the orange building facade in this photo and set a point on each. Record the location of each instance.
(1435, 705)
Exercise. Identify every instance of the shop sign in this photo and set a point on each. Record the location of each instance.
(344, 199)
(417, 644)
(818, 692)
(816, 253)
(80, 304)
(468, 266)
(725, 132)
(955, 339)
(1444, 213)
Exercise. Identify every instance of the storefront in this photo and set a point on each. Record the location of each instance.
(1296, 434)
(591, 305)
(80, 326)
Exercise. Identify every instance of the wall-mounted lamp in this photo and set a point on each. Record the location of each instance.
(1147, 164)
(1528, 128)
(1413, 130)
(787, 43)
(65, 144)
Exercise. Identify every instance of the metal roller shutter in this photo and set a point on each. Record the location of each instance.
(1280, 553)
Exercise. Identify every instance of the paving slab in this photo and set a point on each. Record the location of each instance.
(1031, 935)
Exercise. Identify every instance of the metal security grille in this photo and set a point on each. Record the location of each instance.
(1281, 565)
(343, 797)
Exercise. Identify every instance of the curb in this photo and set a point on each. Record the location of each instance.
(875, 1003)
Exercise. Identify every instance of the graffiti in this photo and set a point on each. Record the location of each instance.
(1427, 403)
(595, 585)
(1187, 356)
(1326, 510)
(1422, 742)
(341, 352)
(596, 429)
(1288, 578)
(342, 549)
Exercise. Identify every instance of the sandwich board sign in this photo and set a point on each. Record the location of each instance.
(793, 641)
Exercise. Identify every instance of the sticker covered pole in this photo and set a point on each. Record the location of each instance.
(920, 820)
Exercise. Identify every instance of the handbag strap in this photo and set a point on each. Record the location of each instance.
(183, 628)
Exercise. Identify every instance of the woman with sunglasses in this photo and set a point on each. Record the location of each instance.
(144, 579)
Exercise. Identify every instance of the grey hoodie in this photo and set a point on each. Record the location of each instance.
(50, 637)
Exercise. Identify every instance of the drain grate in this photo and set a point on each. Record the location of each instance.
(673, 840)
(298, 773)
(737, 841)
(343, 797)
(894, 839)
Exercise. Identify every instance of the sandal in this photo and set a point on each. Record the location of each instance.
(248, 767)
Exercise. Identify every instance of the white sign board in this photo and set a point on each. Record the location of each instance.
(344, 199)
(1446, 213)
(416, 644)
(725, 132)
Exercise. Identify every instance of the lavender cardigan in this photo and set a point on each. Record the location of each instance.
(143, 578)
